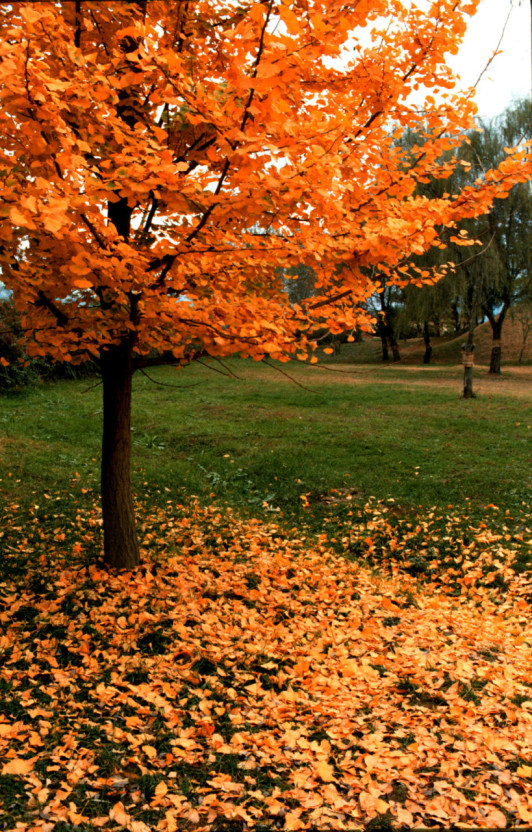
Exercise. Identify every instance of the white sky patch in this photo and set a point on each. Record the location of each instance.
(508, 77)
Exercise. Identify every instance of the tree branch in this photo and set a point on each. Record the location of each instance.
(60, 316)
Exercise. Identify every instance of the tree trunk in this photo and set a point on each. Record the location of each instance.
(468, 348)
(428, 345)
(391, 336)
(456, 316)
(121, 549)
(381, 332)
(496, 348)
(495, 357)
(467, 360)
(496, 332)
(468, 383)
(384, 343)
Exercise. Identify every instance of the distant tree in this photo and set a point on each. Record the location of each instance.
(503, 274)
(497, 273)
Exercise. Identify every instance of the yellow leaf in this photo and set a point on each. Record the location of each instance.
(18, 766)
(149, 751)
(161, 788)
(325, 771)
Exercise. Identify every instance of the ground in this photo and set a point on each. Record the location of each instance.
(309, 643)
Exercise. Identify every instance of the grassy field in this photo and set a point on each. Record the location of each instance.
(263, 441)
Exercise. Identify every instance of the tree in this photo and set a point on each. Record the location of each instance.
(503, 274)
(498, 274)
(162, 161)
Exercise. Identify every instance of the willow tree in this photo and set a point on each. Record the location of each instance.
(163, 162)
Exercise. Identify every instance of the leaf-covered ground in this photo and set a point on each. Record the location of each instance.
(248, 678)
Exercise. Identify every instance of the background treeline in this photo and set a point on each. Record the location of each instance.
(492, 280)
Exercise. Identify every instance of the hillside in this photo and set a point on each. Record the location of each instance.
(445, 350)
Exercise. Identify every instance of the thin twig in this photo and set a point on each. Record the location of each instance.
(214, 369)
(496, 50)
(168, 384)
(345, 372)
(92, 386)
(295, 381)
(228, 369)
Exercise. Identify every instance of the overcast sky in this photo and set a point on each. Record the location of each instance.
(509, 75)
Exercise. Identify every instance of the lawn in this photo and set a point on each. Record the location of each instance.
(399, 433)
(331, 628)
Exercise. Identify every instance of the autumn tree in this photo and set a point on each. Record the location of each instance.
(161, 161)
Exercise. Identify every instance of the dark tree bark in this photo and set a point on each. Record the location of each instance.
(384, 342)
(428, 346)
(386, 328)
(121, 549)
(456, 316)
(468, 348)
(77, 33)
(396, 355)
(390, 333)
(496, 324)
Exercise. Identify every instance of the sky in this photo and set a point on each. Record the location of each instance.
(509, 75)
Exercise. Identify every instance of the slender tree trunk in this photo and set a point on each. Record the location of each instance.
(121, 549)
(495, 357)
(496, 331)
(384, 344)
(468, 349)
(395, 352)
(456, 316)
(428, 346)
(396, 355)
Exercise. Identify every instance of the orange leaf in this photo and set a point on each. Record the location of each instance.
(18, 766)
(325, 771)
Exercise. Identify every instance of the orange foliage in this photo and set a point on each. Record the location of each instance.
(231, 140)
(256, 676)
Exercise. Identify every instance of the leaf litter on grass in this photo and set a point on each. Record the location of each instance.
(249, 675)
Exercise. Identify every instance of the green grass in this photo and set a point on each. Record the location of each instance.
(391, 433)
